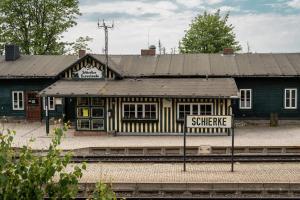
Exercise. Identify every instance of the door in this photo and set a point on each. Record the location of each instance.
(33, 106)
(70, 114)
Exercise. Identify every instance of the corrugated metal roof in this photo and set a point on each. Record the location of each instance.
(179, 65)
(35, 66)
(147, 87)
(257, 64)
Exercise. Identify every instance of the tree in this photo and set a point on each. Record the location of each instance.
(27, 176)
(37, 25)
(80, 43)
(209, 33)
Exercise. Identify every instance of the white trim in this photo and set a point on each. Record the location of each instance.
(290, 100)
(245, 107)
(49, 105)
(18, 100)
(135, 110)
(191, 109)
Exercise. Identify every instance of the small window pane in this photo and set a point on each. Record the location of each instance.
(97, 124)
(97, 101)
(98, 112)
(83, 112)
(195, 109)
(83, 124)
(83, 101)
(139, 111)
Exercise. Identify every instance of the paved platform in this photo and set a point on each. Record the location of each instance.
(245, 136)
(196, 173)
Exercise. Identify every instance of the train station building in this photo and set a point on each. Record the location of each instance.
(148, 93)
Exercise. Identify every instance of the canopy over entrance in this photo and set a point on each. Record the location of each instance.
(171, 87)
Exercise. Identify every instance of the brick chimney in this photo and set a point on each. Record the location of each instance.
(149, 52)
(12, 52)
(228, 51)
(81, 53)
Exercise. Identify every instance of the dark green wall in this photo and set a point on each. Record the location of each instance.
(6, 88)
(267, 97)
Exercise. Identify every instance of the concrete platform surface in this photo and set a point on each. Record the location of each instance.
(196, 173)
(245, 136)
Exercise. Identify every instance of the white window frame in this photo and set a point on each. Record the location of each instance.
(240, 101)
(290, 100)
(191, 108)
(49, 99)
(18, 100)
(135, 110)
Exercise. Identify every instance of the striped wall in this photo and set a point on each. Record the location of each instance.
(167, 116)
(88, 60)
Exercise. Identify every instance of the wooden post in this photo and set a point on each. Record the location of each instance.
(47, 115)
(184, 144)
(232, 145)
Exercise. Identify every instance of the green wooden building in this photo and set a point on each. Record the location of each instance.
(148, 93)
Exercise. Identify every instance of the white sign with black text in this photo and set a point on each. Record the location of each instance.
(89, 72)
(208, 121)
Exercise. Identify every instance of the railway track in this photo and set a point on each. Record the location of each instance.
(174, 159)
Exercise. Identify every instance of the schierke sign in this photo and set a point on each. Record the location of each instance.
(208, 121)
(88, 72)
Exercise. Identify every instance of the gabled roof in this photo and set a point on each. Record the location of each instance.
(145, 87)
(179, 65)
(37, 66)
(212, 65)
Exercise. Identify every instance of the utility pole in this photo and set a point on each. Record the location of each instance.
(105, 27)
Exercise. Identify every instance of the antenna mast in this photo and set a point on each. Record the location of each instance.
(105, 27)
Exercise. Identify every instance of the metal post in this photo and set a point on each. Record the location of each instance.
(184, 144)
(47, 115)
(232, 145)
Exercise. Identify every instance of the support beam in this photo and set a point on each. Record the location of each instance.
(47, 115)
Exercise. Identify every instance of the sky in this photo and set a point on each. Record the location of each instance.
(265, 25)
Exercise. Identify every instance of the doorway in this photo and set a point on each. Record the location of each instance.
(33, 106)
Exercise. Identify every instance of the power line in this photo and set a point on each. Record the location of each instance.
(105, 27)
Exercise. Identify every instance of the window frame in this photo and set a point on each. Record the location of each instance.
(136, 111)
(49, 107)
(240, 99)
(18, 100)
(191, 104)
(290, 100)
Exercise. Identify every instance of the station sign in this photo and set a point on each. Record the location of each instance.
(209, 121)
(89, 72)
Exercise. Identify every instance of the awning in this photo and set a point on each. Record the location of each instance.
(145, 87)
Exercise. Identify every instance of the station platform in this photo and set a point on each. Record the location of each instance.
(203, 179)
(249, 136)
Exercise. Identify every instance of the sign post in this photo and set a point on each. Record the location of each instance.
(184, 144)
(232, 144)
(209, 121)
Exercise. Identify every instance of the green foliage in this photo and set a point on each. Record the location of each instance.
(29, 176)
(209, 33)
(37, 25)
(103, 192)
(81, 43)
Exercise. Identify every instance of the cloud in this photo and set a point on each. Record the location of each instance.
(167, 20)
(294, 4)
(133, 8)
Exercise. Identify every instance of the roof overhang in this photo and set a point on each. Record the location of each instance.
(176, 88)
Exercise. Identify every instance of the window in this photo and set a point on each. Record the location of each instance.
(245, 99)
(83, 124)
(140, 111)
(193, 109)
(51, 103)
(83, 112)
(18, 100)
(83, 101)
(97, 112)
(290, 98)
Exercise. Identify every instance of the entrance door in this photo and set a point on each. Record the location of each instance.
(33, 106)
(70, 114)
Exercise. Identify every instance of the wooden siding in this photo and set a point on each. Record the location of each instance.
(167, 116)
(267, 98)
(88, 60)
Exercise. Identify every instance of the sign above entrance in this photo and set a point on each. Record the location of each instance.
(88, 72)
(209, 121)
